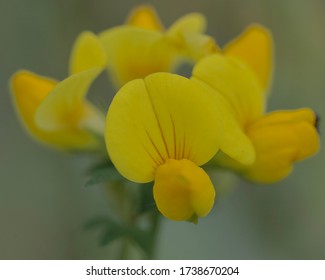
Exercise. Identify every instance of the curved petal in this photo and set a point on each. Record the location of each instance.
(162, 117)
(135, 53)
(87, 53)
(183, 191)
(255, 47)
(285, 116)
(232, 139)
(190, 23)
(236, 82)
(145, 17)
(186, 115)
(187, 35)
(29, 91)
(281, 138)
(65, 108)
(296, 129)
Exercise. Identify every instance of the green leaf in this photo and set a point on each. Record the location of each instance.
(111, 233)
(97, 222)
(140, 237)
(146, 201)
(110, 229)
(103, 162)
(103, 174)
(194, 219)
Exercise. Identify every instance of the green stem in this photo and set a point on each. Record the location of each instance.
(125, 203)
(155, 221)
(124, 249)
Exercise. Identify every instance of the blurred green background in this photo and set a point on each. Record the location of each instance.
(43, 204)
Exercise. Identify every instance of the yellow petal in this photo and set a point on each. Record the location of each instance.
(236, 82)
(65, 108)
(231, 137)
(29, 91)
(190, 23)
(87, 53)
(182, 190)
(293, 116)
(280, 139)
(255, 47)
(135, 53)
(145, 17)
(187, 35)
(161, 117)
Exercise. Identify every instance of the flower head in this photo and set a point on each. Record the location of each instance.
(162, 128)
(142, 46)
(242, 75)
(57, 113)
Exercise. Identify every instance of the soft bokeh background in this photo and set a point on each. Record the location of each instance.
(43, 204)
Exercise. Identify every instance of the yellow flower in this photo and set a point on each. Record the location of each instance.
(165, 126)
(142, 46)
(57, 113)
(242, 75)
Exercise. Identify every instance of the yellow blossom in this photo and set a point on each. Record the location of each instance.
(142, 46)
(165, 126)
(242, 75)
(57, 113)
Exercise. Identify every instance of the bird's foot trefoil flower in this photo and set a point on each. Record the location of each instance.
(242, 75)
(142, 46)
(57, 113)
(163, 128)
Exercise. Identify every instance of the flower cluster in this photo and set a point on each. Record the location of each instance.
(161, 126)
